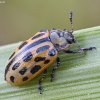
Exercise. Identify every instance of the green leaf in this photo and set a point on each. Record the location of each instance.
(77, 78)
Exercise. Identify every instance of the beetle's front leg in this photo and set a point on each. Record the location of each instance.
(90, 48)
(53, 70)
(79, 51)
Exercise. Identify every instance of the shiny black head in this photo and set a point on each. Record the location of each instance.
(69, 36)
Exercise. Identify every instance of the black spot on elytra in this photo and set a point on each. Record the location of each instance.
(37, 36)
(52, 52)
(35, 68)
(37, 59)
(15, 66)
(40, 49)
(25, 78)
(27, 57)
(22, 45)
(46, 61)
(12, 78)
(11, 55)
(23, 70)
(7, 67)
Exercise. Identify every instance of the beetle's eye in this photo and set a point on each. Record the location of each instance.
(69, 41)
(74, 40)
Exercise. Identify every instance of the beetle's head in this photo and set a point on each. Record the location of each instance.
(69, 36)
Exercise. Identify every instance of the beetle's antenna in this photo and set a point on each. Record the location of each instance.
(71, 14)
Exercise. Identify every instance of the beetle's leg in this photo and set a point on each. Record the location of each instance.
(76, 51)
(90, 48)
(53, 70)
(40, 81)
(71, 51)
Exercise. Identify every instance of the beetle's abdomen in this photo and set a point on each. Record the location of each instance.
(30, 59)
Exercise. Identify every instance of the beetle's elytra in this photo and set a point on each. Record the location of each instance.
(34, 55)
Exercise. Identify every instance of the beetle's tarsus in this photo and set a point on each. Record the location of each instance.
(40, 89)
(90, 48)
(40, 81)
(51, 79)
(52, 75)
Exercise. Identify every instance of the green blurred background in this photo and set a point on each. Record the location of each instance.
(20, 19)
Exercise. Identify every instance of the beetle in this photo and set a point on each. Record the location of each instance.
(34, 55)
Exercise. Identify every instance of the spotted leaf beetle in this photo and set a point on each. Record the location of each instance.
(34, 55)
